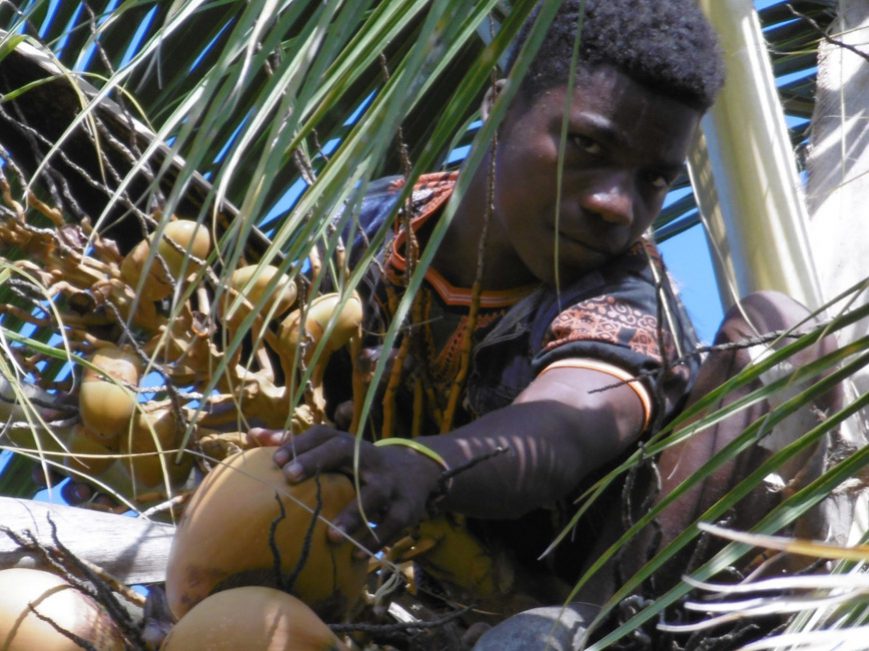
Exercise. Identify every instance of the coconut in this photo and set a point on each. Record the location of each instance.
(86, 453)
(157, 433)
(251, 617)
(106, 406)
(157, 284)
(223, 539)
(319, 313)
(52, 598)
(189, 236)
(253, 283)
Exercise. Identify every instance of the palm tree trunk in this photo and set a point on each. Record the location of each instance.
(747, 186)
(838, 189)
(744, 174)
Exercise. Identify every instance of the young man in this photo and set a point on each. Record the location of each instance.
(573, 305)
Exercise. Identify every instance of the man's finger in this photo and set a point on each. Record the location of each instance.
(393, 525)
(353, 518)
(319, 454)
(268, 437)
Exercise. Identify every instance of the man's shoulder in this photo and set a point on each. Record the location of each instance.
(379, 201)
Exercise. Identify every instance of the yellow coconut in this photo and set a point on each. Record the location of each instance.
(55, 599)
(120, 363)
(223, 538)
(290, 335)
(189, 236)
(253, 282)
(156, 285)
(106, 406)
(156, 434)
(319, 313)
(251, 617)
(87, 454)
(347, 320)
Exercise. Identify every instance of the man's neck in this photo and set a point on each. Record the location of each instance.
(457, 257)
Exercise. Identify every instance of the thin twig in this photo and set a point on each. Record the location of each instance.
(85, 577)
(102, 589)
(447, 475)
(825, 36)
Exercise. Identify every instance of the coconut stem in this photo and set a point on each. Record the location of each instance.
(392, 388)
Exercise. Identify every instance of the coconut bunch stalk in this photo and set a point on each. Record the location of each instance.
(122, 441)
(80, 282)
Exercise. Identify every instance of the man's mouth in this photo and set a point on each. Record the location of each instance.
(575, 239)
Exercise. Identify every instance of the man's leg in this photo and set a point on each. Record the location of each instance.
(756, 315)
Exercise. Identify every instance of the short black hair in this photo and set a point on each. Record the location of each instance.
(666, 45)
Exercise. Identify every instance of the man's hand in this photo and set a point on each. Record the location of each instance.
(395, 482)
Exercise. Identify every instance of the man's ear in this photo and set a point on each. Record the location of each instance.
(490, 97)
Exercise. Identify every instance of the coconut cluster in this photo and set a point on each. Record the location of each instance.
(248, 543)
(42, 611)
(159, 315)
(269, 589)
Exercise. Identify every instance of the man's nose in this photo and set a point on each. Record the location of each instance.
(612, 198)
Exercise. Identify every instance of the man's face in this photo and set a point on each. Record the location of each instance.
(625, 145)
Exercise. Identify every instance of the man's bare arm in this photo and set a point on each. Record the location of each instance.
(568, 422)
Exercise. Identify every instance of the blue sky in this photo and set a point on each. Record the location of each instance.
(690, 263)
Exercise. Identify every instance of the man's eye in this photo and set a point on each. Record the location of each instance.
(588, 145)
(659, 181)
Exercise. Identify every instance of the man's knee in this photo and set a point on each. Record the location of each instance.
(759, 325)
(761, 313)
(771, 320)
